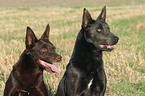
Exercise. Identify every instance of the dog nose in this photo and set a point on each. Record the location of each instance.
(116, 39)
(58, 58)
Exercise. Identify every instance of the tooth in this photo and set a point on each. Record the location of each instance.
(42, 62)
(109, 46)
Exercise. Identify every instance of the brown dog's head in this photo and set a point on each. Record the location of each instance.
(42, 51)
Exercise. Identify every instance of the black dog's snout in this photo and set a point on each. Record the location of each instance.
(116, 39)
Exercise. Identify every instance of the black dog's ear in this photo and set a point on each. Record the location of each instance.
(102, 16)
(46, 33)
(86, 18)
(30, 38)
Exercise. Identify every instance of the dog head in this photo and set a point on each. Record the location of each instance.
(42, 51)
(98, 32)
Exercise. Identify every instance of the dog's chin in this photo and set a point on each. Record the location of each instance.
(106, 47)
(48, 66)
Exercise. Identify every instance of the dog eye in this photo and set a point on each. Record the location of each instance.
(44, 50)
(54, 48)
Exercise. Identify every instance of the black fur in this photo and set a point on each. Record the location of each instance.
(85, 75)
(26, 78)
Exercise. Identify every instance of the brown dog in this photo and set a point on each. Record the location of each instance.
(26, 78)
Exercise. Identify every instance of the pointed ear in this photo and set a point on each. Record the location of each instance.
(102, 15)
(30, 38)
(86, 18)
(45, 35)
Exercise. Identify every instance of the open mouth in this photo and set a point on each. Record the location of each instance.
(107, 46)
(49, 67)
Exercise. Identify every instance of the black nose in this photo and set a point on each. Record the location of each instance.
(58, 58)
(116, 39)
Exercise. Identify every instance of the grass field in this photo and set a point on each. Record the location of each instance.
(125, 66)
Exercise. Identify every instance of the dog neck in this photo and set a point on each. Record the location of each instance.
(85, 54)
(83, 47)
(26, 62)
(28, 70)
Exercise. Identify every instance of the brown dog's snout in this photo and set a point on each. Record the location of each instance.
(58, 58)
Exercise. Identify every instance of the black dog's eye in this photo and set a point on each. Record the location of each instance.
(44, 50)
(98, 30)
(108, 28)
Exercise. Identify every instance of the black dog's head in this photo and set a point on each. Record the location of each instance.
(42, 51)
(98, 32)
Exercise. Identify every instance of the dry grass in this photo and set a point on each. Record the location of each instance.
(68, 3)
(124, 66)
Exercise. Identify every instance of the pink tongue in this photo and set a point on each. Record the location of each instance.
(102, 46)
(113, 46)
(108, 46)
(53, 67)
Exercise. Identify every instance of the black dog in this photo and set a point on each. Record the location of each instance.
(85, 74)
(26, 78)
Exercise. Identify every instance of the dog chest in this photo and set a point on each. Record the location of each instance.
(90, 83)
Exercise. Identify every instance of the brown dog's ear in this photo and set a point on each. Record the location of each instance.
(86, 18)
(30, 38)
(102, 15)
(46, 33)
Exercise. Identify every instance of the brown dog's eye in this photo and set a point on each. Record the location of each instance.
(44, 50)
(54, 48)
